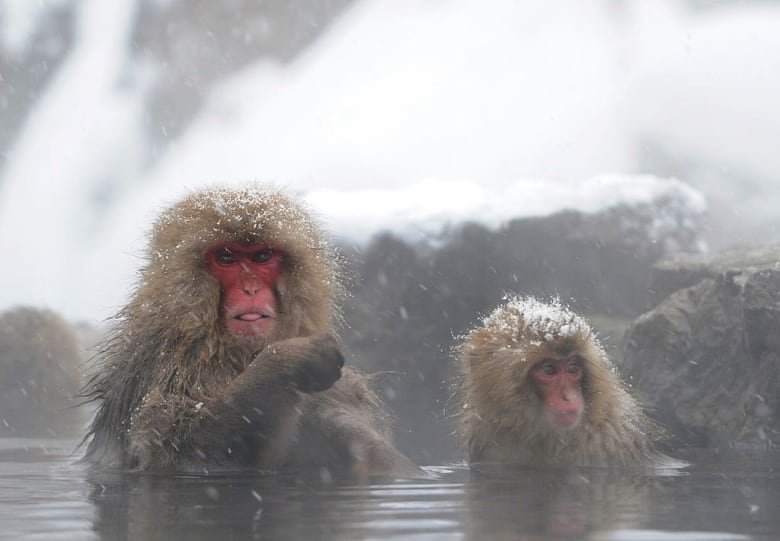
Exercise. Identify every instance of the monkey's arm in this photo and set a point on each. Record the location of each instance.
(346, 431)
(371, 453)
(250, 424)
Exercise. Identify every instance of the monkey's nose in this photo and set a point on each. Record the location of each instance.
(251, 288)
(567, 395)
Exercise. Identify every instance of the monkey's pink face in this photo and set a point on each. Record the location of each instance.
(248, 276)
(558, 382)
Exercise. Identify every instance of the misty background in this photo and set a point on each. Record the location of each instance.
(456, 150)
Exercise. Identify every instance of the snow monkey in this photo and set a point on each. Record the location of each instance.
(40, 358)
(538, 389)
(225, 357)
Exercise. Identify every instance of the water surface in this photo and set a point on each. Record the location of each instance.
(45, 495)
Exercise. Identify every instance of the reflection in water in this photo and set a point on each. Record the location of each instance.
(269, 507)
(553, 505)
(549, 504)
(43, 495)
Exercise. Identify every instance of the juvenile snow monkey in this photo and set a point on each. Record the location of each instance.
(538, 389)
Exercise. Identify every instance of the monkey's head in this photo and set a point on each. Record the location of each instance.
(534, 367)
(245, 265)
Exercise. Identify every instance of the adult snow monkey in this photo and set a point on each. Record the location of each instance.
(225, 357)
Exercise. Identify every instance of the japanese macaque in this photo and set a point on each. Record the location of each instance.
(225, 357)
(40, 357)
(538, 389)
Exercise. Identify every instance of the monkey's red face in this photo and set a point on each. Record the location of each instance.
(558, 382)
(248, 276)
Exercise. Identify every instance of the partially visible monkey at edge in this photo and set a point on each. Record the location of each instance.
(225, 357)
(537, 389)
(40, 358)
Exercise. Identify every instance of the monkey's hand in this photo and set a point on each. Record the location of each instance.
(311, 363)
(252, 422)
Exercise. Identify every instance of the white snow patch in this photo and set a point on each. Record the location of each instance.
(524, 319)
(426, 208)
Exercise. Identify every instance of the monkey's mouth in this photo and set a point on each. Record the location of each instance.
(253, 316)
(252, 321)
(250, 313)
(566, 419)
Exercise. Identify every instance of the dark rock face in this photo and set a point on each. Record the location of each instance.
(39, 374)
(706, 359)
(683, 270)
(409, 303)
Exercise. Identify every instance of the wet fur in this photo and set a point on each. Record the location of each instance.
(501, 413)
(173, 384)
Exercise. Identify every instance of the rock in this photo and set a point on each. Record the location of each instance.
(706, 359)
(685, 269)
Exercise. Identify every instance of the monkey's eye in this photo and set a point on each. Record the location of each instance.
(548, 369)
(263, 256)
(225, 257)
(573, 368)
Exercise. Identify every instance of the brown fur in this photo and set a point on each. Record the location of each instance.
(179, 392)
(501, 413)
(39, 373)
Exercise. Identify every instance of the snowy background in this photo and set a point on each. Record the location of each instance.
(406, 115)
